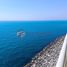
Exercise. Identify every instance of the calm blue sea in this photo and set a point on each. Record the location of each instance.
(16, 51)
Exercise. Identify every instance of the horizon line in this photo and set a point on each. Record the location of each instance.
(36, 20)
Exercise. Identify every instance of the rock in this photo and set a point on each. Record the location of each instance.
(49, 55)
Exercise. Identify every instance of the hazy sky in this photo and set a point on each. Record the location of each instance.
(33, 9)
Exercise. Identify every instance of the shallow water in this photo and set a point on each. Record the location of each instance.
(16, 51)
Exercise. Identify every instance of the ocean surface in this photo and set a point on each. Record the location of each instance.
(16, 51)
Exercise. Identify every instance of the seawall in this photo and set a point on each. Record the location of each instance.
(48, 57)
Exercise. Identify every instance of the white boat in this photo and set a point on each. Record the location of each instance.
(20, 33)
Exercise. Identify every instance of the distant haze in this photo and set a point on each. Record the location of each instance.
(33, 10)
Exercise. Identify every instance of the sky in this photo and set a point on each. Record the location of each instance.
(33, 9)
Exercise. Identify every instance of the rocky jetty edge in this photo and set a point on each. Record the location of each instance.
(49, 55)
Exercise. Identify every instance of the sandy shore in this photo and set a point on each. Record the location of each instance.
(48, 56)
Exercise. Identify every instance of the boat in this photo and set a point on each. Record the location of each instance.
(20, 33)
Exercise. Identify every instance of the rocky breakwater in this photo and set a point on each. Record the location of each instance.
(48, 56)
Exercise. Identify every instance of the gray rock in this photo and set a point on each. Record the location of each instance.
(48, 56)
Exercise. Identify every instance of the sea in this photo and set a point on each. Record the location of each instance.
(16, 51)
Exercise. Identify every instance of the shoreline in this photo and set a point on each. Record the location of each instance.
(48, 56)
